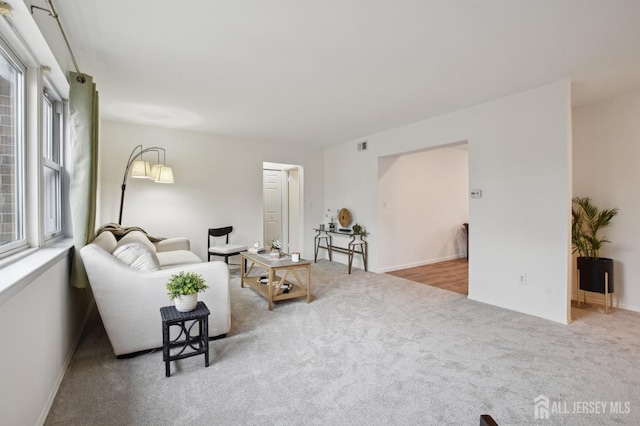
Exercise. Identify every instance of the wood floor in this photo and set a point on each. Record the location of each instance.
(452, 275)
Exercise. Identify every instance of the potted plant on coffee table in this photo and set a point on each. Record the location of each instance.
(588, 221)
(276, 246)
(183, 289)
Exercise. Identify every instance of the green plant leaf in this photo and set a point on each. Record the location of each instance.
(184, 283)
(587, 222)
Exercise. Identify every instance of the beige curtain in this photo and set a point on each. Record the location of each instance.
(83, 132)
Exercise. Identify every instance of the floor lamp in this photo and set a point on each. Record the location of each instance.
(159, 173)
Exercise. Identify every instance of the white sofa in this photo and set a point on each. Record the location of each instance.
(129, 298)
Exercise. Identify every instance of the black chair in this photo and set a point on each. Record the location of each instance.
(487, 420)
(223, 250)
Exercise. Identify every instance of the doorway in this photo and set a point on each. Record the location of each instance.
(423, 203)
(282, 205)
(452, 275)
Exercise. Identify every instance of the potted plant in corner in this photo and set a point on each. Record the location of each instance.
(588, 221)
(184, 288)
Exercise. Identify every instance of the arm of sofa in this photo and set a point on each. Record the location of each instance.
(129, 300)
(172, 244)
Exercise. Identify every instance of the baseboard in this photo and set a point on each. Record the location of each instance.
(420, 263)
(627, 307)
(67, 362)
(600, 301)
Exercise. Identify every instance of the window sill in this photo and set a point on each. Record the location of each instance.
(29, 266)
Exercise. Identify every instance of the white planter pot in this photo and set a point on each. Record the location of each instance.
(186, 303)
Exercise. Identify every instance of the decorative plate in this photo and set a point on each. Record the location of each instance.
(344, 217)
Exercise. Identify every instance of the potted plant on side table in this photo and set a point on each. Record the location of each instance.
(183, 289)
(332, 215)
(595, 272)
(359, 230)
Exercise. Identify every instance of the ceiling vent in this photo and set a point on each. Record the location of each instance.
(362, 146)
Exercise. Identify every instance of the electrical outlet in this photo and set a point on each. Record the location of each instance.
(522, 279)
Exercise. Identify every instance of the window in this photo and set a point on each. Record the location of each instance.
(12, 153)
(52, 169)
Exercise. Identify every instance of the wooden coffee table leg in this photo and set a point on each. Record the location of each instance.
(270, 284)
(243, 270)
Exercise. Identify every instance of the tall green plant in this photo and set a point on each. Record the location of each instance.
(588, 220)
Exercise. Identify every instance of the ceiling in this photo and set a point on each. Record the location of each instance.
(325, 72)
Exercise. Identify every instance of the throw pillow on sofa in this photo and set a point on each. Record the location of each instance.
(137, 256)
(136, 237)
(106, 241)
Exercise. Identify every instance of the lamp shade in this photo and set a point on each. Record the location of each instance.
(140, 169)
(165, 175)
(155, 171)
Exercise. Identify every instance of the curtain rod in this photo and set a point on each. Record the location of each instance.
(52, 12)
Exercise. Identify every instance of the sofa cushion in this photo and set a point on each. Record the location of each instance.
(137, 256)
(136, 237)
(106, 241)
(168, 259)
(227, 248)
(170, 244)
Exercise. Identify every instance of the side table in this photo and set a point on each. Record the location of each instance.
(198, 344)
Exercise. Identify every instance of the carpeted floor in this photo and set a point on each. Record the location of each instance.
(370, 349)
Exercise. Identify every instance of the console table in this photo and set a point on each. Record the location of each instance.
(357, 245)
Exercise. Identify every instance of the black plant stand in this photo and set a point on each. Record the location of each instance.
(596, 275)
(193, 344)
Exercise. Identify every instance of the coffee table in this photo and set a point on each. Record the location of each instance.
(279, 271)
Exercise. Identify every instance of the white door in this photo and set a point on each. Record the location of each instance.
(272, 182)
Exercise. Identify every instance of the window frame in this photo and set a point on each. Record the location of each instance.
(33, 168)
(52, 159)
(22, 218)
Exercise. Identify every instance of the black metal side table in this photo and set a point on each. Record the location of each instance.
(198, 344)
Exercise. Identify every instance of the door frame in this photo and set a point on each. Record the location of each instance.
(285, 219)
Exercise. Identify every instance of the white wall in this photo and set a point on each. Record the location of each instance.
(218, 182)
(42, 323)
(423, 204)
(43, 319)
(519, 155)
(606, 150)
